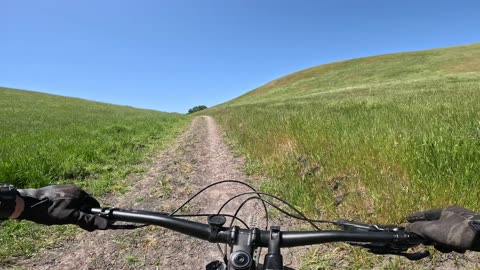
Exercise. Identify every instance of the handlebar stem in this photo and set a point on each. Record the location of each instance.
(274, 259)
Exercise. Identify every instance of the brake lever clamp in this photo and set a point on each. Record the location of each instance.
(107, 212)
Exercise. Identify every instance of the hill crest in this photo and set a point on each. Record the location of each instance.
(387, 68)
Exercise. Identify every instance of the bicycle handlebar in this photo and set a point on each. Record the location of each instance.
(245, 244)
(227, 234)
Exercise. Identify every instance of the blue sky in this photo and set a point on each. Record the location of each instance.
(173, 55)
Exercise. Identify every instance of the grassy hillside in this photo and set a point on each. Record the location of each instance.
(369, 139)
(46, 139)
(365, 73)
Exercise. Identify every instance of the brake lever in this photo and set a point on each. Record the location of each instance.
(415, 256)
(397, 248)
(385, 249)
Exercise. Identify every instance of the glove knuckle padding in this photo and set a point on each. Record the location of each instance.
(457, 230)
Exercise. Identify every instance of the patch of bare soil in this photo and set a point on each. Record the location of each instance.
(198, 158)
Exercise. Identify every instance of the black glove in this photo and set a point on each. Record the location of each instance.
(450, 229)
(61, 204)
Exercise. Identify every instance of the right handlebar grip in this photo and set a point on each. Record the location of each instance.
(414, 238)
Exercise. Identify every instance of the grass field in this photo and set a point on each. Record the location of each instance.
(369, 139)
(47, 139)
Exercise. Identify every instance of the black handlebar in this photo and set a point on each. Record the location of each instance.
(195, 229)
(293, 239)
(227, 234)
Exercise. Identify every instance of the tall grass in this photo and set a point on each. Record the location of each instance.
(46, 139)
(369, 139)
(372, 155)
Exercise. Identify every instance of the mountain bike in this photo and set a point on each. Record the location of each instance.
(246, 242)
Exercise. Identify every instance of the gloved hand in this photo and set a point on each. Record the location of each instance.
(61, 204)
(450, 229)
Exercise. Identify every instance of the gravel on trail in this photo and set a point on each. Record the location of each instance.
(198, 157)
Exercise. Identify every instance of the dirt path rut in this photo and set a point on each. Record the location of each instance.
(198, 157)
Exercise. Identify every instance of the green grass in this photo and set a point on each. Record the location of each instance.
(370, 139)
(47, 139)
(364, 73)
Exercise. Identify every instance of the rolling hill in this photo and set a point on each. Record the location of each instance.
(368, 73)
(371, 138)
(47, 139)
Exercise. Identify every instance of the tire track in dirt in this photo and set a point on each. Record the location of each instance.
(198, 157)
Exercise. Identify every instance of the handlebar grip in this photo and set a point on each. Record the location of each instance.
(414, 238)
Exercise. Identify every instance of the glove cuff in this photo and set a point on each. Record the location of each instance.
(475, 226)
(8, 197)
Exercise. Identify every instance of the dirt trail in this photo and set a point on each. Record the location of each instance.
(198, 157)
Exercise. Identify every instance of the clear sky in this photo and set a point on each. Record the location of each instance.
(173, 55)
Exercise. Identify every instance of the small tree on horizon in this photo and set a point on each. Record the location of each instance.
(197, 109)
